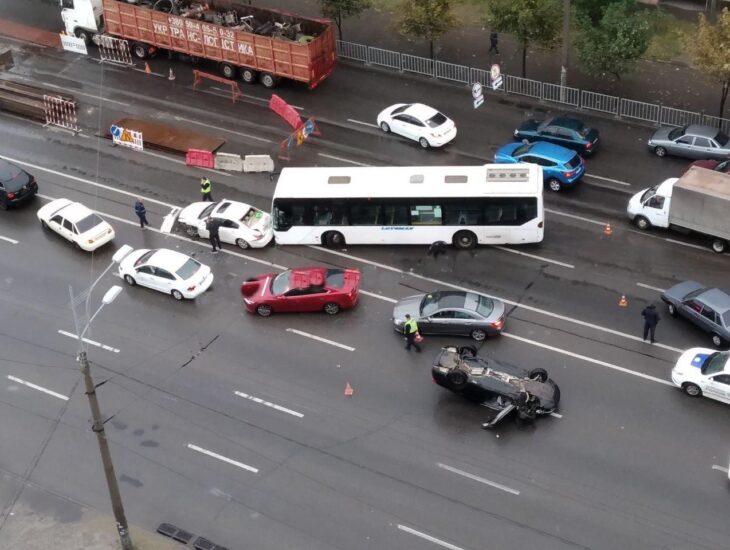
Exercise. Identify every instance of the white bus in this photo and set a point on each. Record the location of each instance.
(463, 205)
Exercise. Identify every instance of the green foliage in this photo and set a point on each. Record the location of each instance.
(592, 9)
(428, 19)
(337, 10)
(618, 40)
(709, 48)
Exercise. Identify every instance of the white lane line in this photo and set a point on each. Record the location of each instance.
(556, 415)
(379, 296)
(342, 160)
(720, 468)
(506, 301)
(92, 342)
(221, 129)
(534, 257)
(222, 458)
(268, 404)
(642, 285)
(76, 92)
(479, 479)
(363, 123)
(608, 179)
(566, 215)
(320, 339)
(11, 241)
(589, 359)
(36, 387)
(429, 538)
(698, 247)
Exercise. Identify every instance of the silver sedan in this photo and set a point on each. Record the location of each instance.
(694, 141)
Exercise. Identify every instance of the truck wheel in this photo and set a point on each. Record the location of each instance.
(228, 71)
(642, 223)
(83, 35)
(249, 76)
(141, 51)
(269, 80)
(719, 245)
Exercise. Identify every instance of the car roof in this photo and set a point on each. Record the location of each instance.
(551, 151)
(421, 111)
(169, 259)
(716, 299)
(566, 122)
(74, 212)
(701, 130)
(306, 277)
(233, 210)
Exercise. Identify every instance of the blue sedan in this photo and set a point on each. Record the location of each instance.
(561, 167)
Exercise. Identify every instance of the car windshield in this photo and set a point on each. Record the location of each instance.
(726, 318)
(522, 149)
(721, 139)
(88, 223)
(715, 362)
(677, 132)
(722, 166)
(8, 171)
(280, 284)
(400, 109)
(693, 294)
(207, 210)
(436, 120)
(583, 131)
(144, 257)
(188, 269)
(485, 306)
(649, 193)
(574, 162)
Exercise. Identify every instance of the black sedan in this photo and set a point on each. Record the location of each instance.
(499, 386)
(566, 131)
(16, 185)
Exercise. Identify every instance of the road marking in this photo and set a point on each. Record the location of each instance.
(145, 71)
(219, 128)
(720, 468)
(92, 342)
(342, 160)
(429, 538)
(268, 404)
(509, 302)
(36, 387)
(76, 92)
(705, 248)
(320, 339)
(11, 241)
(642, 285)
(556, 415)
(581, 218)
(222, 458)
(608, 179)
(534, 257)
(363, 123)
(589, 359)
(379, 296)
(479, 479)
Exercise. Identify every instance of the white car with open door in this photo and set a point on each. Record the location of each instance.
(418, 122)
(167, 271)
(242, 224)
(76, 223)
(704, 371)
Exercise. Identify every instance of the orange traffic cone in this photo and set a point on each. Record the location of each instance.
(623, 302)
(147, 68)
(607, 230)
(172, 75)
(348, 390)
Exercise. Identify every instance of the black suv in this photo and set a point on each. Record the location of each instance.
(16, 185)
(498, 386)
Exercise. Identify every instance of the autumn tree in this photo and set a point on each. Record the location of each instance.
(529, 21)
(709, 48)
(427, 19)
(337, 10)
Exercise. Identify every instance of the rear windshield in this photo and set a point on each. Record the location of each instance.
(722, 139)
(574, 162)
(89, 222)
(436, 120)
(335, 278)
(280, 284)
(207, 210)
(188, 269)
(144, 257)
(485, 306)
(583, 131)
(677, 132)
(11, 177)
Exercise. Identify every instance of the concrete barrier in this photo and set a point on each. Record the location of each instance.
(228, 161)
(258, 163)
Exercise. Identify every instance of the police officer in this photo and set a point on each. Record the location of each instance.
(410, 328)
(206, 188)
(213, 225)
(651, 320)
(141, 212)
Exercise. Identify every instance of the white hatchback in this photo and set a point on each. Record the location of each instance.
(168, 271)
(76, 223)
(703, 371)
(418, 122)
(242, 224)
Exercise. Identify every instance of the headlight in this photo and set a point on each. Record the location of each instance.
(398, 322)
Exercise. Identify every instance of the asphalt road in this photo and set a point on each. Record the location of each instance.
(236, 427)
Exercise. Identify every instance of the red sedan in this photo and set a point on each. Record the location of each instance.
(715, 165)
(302, 289)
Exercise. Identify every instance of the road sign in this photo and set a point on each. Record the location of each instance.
(495, 75)
(127, 138)
(73, 44)
(477, 94)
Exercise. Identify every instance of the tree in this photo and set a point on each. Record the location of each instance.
(429, 19)
(709, 49)
(593, 9)
(337, 10)
(530, 21)
(616, 42)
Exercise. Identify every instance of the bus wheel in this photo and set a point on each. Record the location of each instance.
(334, 239)
(465, 240)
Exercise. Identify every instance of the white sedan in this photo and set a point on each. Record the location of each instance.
(242, 224)
(703, 371)
(418, 122)
(167, 271)
(76, 223)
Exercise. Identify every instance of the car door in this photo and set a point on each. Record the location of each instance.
(655, 211)
(683, 146)
(315, 298)
(718, 387)
(549, 168)
(466, 322)
(69, 231)
(230, 231)
(441, 322)
(692, 310)
(56, 223)
(163, 280)
(704, 148)
(709, 319)
(143, 276)
(400, 125)
(549, 134)
(565, 137)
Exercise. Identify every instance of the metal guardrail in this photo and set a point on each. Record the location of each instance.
(542, 91)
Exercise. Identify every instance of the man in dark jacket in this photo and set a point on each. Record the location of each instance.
(141, 212)
(651, 319)
(213, 225)
(493, 42)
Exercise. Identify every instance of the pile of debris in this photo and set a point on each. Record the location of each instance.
(27, 100)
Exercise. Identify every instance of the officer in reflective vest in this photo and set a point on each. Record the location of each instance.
(206, 188)
(410, 328)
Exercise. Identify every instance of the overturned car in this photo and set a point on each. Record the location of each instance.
(498, 386)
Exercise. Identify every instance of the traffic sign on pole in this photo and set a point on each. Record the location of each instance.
(477, 94)
(495, 75)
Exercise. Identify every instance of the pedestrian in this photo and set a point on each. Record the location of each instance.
(213, 225)
(410, 328)
(206, 188)
(651, 319)
(141, 212)
(494, 42)
(436, 248)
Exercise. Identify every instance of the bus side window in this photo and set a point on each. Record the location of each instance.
(365, 214)
(395, 214)
(462, 214)
(301, 214)
(426, 215)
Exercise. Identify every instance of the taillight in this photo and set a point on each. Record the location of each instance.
(257, 235)
(498, 324)
(568, 174)
(589, 146)
(11, 195)
(90, 241)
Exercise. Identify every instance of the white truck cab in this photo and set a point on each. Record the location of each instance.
(650, 207)
(82, 18)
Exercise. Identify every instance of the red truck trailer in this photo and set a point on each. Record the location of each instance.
(247, 41)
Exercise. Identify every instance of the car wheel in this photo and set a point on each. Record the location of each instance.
(540, 375)
(177, 295)
(672, 310)
(423, 142)
(44, 225)
(191, 231)
(554, 184)
(3, 205)
(457, 378)
(478, 334)
(693, 390)
(334, 239)
(240, 243)
(130, 280)
(467, 351)
(464, 240)
(717, 340)
(660, 151)
(642, 223)
(331, 308)
(719, 245)
(264, 310)
(249, 76)
(384, 127)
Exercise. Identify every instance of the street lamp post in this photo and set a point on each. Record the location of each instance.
(82, 327)
(566, 49)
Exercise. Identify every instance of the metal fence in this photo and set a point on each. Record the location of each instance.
(542, 91)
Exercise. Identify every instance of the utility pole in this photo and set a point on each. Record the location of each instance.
(712, 16)
(566, 48)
